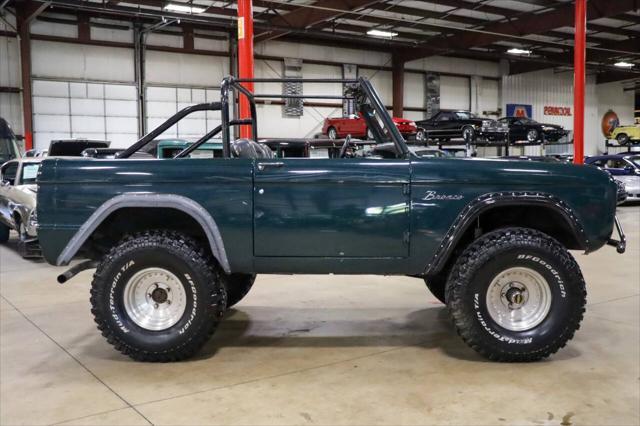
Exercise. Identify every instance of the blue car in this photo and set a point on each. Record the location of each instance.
(624, 168)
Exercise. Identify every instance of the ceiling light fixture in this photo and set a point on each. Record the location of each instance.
(183, 8)
(381, 33)
(516, 51)
(623, 64)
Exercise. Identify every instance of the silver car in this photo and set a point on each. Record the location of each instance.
(18, 191)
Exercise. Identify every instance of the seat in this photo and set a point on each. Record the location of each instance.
(246, 148)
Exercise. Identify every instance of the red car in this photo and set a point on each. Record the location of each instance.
(355, 126)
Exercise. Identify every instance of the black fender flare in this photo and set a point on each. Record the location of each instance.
(488, 201)
(178, 202)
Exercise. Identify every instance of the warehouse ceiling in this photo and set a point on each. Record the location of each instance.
(477, 29)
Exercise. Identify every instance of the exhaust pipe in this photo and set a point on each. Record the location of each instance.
(75, 270)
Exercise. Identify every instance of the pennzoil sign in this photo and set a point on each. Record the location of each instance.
(557, 110)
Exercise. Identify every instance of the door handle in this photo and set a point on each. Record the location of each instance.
(262, 166)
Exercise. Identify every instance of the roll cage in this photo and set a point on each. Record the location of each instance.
(360, 90)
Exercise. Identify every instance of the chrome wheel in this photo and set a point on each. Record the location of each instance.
(155, 299)
(518, 299)
(468, 134)
(332, 133)
(532, 135)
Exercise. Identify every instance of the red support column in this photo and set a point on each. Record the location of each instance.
(245, 58)
(579, 59)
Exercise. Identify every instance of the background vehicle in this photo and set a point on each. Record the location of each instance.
(8, 145)
(455, 124)
(389, 150)
(528, 130)
(18, 203)
(168, 148)
(623, 167)
(177, 242)
(543, 158)
(626, 135)
(73, 147)
(356, 126)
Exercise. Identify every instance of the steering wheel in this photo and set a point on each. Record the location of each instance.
(345, 146)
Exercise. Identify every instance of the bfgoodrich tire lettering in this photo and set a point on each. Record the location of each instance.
(500, 251)
(182, 257)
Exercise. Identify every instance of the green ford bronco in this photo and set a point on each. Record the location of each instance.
(177, 242)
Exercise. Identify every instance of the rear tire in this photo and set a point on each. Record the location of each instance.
(532, 135)
(500, 274)
(4, 233)
(237, 286)
(332, 133)
(157, 297)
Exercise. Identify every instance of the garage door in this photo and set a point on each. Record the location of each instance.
(163, 102)
(70, 109)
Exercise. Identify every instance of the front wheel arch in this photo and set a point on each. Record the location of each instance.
(494, 211)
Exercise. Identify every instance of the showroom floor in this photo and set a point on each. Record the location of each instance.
(319, 350)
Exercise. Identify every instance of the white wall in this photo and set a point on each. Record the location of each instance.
(192, 78)
(611, 96)
(548, 88)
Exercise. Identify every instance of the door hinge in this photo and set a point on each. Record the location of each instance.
(406, 237)
(406, 189)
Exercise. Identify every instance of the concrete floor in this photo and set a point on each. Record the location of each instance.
(319, 350)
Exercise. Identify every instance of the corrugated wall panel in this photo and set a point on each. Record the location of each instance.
(547, 88)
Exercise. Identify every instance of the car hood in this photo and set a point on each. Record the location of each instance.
(553, 126)
(399, 120)
(514, 175)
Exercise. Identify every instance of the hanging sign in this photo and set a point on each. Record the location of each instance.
(519, 110)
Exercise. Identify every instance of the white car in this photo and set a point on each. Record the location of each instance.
(18, 192)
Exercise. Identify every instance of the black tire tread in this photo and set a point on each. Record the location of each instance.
(483, 249)
(188, 247)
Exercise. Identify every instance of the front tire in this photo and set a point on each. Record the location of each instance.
(532, 135)
(516, 294)
(469, 134)
(157, 297)
(332, 133)
(623, 139)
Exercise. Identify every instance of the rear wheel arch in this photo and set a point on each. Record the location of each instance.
(538, 211)
(188, 216)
